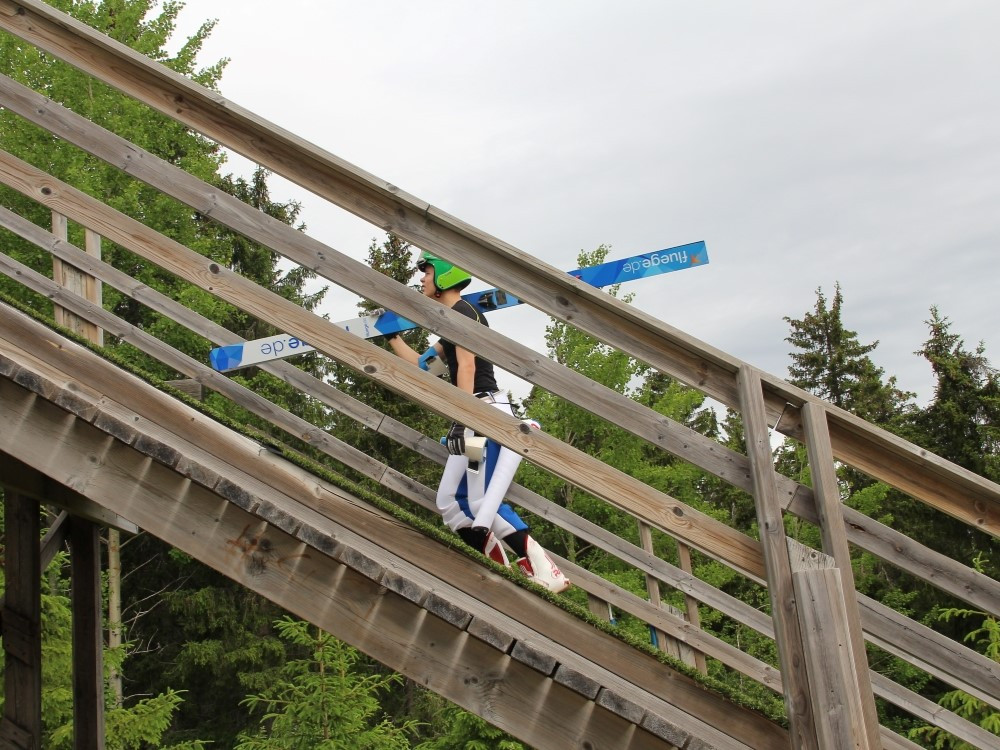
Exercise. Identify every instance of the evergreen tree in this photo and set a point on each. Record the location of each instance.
(322, 701)
(129, 22)
(140, 725)
(962, 422)
(831, 363)
(192, 626)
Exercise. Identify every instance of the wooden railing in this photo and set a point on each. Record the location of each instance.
(818, 619)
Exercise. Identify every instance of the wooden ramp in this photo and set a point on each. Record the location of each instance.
(77, 431)
(501, 651)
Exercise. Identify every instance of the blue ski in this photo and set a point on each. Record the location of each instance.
(383, 322)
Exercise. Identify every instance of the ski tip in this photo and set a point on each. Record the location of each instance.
(226, 357)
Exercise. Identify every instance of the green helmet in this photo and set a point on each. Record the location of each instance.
(446, 275)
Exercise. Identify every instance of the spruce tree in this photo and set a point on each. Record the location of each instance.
(830, 362)
(962, 422)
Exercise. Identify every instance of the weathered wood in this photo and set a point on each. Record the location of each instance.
(51, 542)
(666, 513)
(663, 641)
(33, 484)
(791, 645)
(146, 502)
(188, 386)
(21, 624)
(929, 711)
(831, 523)
(627, 413)
(936, 654)
(691, 613)
(88, 643)
(75, 281)
(834, 685)
(385, 205)
(894, 465)
(936, 481)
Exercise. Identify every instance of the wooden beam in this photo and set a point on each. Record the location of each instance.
(834, 686)
(886, 543)
(917, 560)
(21, 727)
(32, 483)
(88, 643)
(835, 544)
(771, 527)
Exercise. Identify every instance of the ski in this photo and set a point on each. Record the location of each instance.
(383, 322)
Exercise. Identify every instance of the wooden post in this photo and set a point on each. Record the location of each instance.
(21, 727)
(85, 557)
(791, 649)
(115, 610)
(88, 670)
(833, 679)
(834, 534)
(661, 640)
(76, 281)
(691, 605)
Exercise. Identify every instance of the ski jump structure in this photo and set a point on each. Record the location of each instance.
(106, 448)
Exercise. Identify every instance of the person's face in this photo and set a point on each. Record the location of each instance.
(427, 281)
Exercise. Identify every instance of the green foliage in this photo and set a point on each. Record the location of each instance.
(321, 701)
(128, 21)
(962, 423)
(201, 631)
(135, 727)
(985, 637)
(460, 730)
(831, 363)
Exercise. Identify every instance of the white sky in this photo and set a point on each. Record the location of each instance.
(806, 142)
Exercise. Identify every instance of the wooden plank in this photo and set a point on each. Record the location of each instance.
(686, 583)
(691, 613)
(115, 467)
(694, 638)
(50, 544)
(88, 642)
(940, 483)
(31, 483)
(666, 513)
(385, 205)
(930, 712)
(70, 277)
(771, 527)
(932, 652)
(835, 544)
(21, 625)
(273, 471)
(834, 686)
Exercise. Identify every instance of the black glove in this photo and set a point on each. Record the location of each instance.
(456, 439)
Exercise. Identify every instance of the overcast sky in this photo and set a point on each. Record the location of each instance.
(807, 143)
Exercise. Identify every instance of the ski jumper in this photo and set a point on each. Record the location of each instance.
(467, 498)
